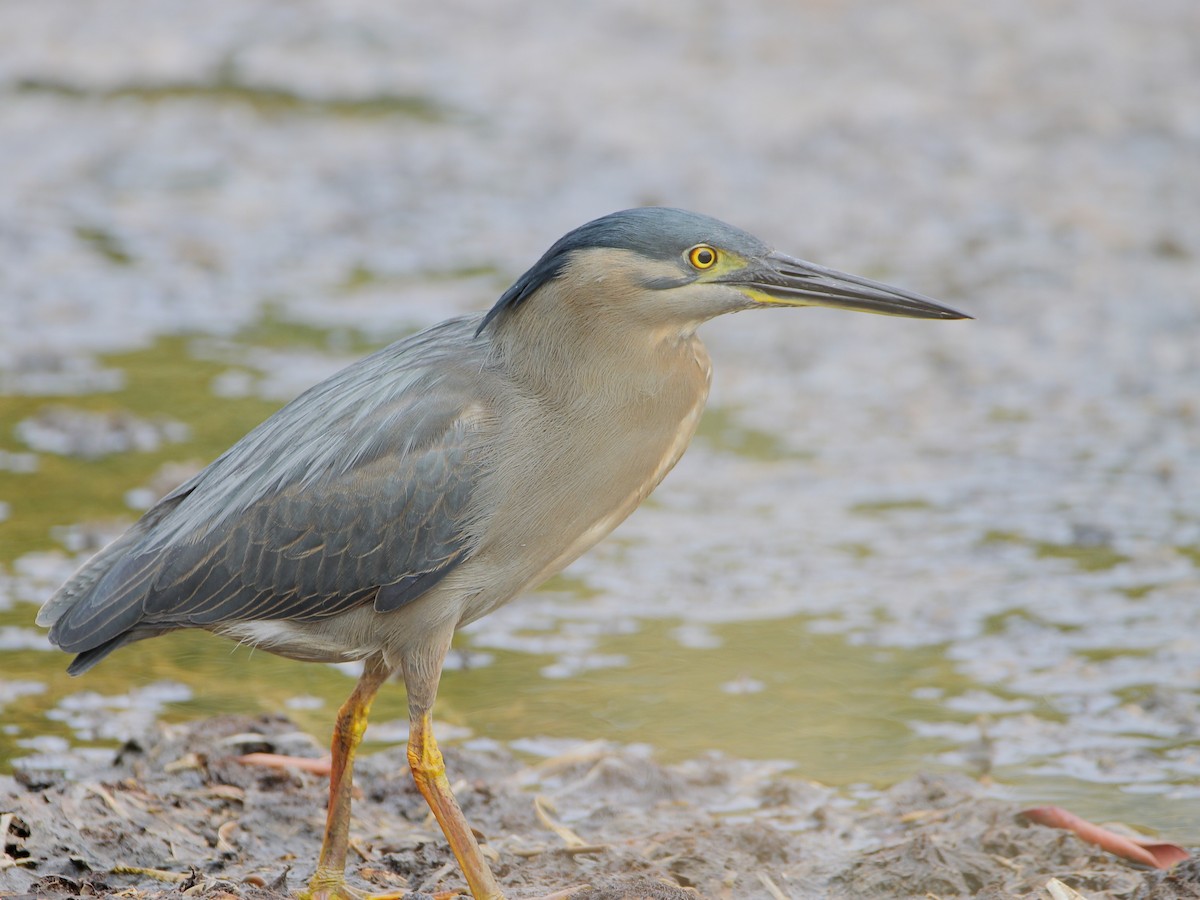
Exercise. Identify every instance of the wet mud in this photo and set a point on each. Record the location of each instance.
(176, 814)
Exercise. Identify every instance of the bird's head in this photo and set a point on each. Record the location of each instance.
(669, 266)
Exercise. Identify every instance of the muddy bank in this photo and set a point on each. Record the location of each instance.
(954, 547)
(179, 803)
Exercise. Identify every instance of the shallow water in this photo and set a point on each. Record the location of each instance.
(751, 650)
(894, 546)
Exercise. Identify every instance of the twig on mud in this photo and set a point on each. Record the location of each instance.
(156, 874)
(288, 763)
(588, 753)
(923, 815)
(727, 884)
(360, 848)
(527, 852)
(109, 800)
(581, 850)
(1061, 891)
(223, 843)
(772, 887)
(584, 849)
(568, 837)
(1001, 861)
(228, 792)
(437, 876)
(184, 763)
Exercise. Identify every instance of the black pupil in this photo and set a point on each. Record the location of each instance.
(704, 257)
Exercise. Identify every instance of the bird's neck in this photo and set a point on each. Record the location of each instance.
(572, 353)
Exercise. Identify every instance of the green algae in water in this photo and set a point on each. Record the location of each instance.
(223, 678)
(164, 379)
(274, 329)
(228, 87)
(161, 380)
(772, 690)
(104, 243)
(1190, 552)
(855, 549)
(816, 700)
(1138, 591)
(877, 507)
(1088, 557)
(720, 429)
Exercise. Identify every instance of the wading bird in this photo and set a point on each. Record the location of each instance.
(430, 483)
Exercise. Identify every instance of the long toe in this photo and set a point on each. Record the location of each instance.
(341, 891)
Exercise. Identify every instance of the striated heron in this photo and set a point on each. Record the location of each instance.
(426, 485)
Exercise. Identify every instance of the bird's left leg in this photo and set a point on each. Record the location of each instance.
(329, 881)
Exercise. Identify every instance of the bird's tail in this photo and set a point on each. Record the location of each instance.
(99, 607)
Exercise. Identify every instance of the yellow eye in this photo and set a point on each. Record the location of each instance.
(702, 256)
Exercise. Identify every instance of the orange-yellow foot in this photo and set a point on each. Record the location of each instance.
(343, 891)
(329, 885)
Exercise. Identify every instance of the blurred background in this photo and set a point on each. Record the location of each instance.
(895, 546)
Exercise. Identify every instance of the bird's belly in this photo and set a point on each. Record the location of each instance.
(598, 501)
(600, 529)
(499, 572)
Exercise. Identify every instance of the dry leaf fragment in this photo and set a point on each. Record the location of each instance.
(1157, 854)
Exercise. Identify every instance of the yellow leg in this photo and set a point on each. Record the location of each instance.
(328, 882)
(429, 772)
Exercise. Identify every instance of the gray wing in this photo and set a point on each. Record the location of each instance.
(361, 490)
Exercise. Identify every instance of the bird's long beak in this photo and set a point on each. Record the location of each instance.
(781, 280)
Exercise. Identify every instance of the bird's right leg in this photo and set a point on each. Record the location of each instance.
(329, 881)
(429, 772)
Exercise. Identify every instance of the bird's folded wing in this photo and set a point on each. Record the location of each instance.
(361, 490)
